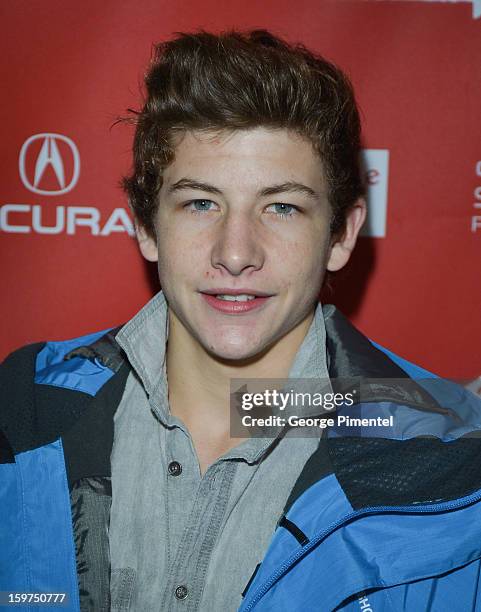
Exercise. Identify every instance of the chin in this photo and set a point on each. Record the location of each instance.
(232, 352)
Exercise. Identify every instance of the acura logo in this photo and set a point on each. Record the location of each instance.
(54, 155)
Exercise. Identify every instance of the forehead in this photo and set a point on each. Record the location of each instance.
(256, 155)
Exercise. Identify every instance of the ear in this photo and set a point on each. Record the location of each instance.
(147, 243)
(342, 246)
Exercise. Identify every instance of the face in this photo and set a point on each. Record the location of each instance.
(243, 238)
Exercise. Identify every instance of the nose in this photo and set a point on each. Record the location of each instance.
(237, 245)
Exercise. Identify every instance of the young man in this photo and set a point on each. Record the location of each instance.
(121, 484)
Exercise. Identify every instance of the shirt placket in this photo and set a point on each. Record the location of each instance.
(196, 509)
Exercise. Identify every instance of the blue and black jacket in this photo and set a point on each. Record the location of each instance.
(385, 519)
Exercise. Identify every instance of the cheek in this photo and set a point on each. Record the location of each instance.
(178, 256)
(305, 260)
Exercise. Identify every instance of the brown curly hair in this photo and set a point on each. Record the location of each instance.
(239, 80)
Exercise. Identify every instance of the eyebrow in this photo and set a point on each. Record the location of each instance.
(287, 187)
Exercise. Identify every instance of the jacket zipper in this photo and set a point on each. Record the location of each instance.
(421, 508)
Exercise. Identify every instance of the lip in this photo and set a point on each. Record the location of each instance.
(238, 291)
(234, 308)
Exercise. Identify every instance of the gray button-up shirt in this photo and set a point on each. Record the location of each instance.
(180, 540)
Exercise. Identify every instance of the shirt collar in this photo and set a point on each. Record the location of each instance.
(311, 358)
(144, 340)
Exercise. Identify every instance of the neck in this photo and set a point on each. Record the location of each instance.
(199, 383)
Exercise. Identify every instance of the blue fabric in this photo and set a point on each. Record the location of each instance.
(409, 422)
(458, 590)
(78, 373)
(464, 409)
(413, 370)
(37, 553)
(347, 555)
(13, 569)
(325, 495)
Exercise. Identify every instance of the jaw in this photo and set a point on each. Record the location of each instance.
(267, 339)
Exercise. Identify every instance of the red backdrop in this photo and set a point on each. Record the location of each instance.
(71, 68)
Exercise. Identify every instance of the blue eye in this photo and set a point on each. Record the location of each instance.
(284, 211)
(199, 206)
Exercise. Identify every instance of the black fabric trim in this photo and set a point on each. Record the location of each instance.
(18, 419)
(382, 472)
(250, 581)
(56, 410)
(88, 443)
(90, 503)
(33, 415)
(317, 467)
(6, 451)
(352, 355)
(105, 349)
(293, 529)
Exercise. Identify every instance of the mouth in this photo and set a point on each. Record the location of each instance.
(235, 301)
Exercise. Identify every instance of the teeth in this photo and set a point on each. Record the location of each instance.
(236, 298)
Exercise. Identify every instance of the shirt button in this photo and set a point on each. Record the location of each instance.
(181, 592)
(175, 468)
